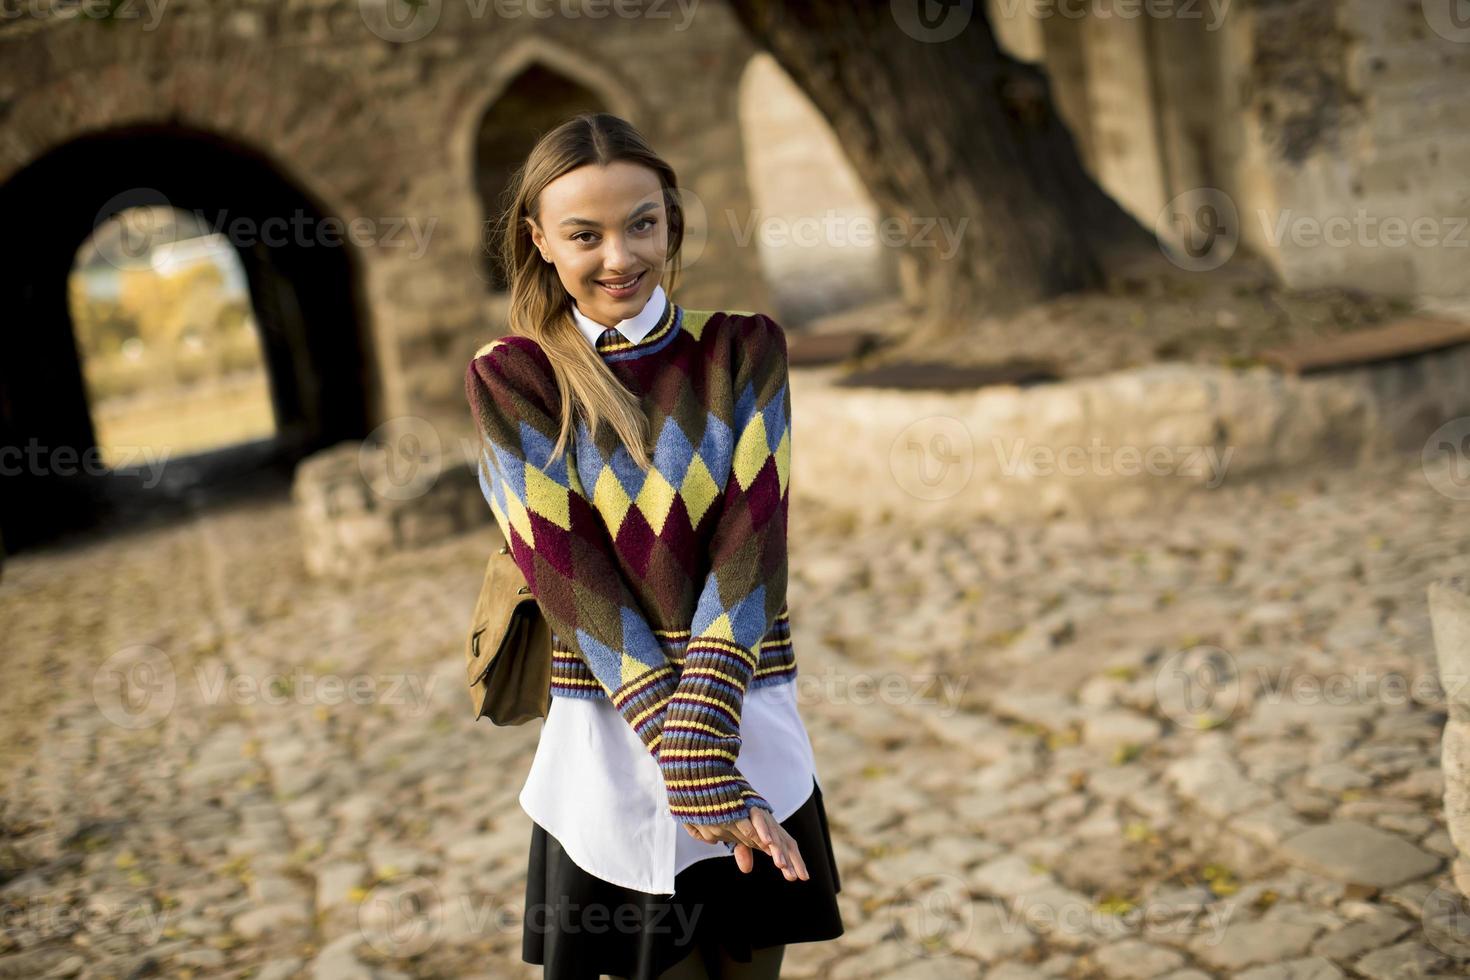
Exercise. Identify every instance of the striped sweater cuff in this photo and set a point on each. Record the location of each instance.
(643, 702)
(701, 736)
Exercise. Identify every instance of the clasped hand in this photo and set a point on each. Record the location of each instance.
(758, 832)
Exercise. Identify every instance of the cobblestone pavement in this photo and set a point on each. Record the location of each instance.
(1171, 746)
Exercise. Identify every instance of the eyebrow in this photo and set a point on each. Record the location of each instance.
(589, 223)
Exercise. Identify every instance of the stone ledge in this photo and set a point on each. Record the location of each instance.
(355, 505)
(1108, 445)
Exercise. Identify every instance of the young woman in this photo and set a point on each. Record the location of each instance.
(636, 456)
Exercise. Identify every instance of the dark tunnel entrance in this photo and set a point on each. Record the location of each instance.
(304, 295)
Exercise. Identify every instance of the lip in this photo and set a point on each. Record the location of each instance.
(622, 293)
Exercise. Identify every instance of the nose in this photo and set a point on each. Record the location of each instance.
(616, 256)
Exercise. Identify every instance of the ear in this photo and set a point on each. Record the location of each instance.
(537, 238)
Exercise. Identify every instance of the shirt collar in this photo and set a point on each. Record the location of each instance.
(635, 328)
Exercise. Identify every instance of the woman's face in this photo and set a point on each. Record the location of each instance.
(602, 226)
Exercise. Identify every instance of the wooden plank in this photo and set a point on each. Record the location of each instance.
(1402, 338)
(950, 377)
(810, 350)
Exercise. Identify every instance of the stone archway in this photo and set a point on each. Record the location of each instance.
(304, 290)
(535, 101)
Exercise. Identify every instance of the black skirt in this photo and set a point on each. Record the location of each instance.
(581, 927)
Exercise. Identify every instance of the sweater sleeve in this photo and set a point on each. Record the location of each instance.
(743, 594)
(557, 539)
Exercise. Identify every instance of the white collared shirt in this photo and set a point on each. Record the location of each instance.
(613, 820)
(635, 327)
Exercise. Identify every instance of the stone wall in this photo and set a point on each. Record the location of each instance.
(1313, 122)
(384, 131)
(1299, 107)
(359, 502)
(1387, 139)
(1128, 442)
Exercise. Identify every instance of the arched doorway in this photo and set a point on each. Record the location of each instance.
(304, 297)
(169, 345)
(817, 227)
(537, 100)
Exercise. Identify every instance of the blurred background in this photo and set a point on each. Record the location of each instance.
(1131, 383)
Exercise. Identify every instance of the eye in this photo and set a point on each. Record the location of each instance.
(651, 222)
(577, 238)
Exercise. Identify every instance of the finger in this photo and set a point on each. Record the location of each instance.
(763, 821)
(744, 859)
(783, 862)
(778, 838)
(774, 833)
(797, 862)
(723, 833)
(781, 855)
(751, 828)
(744, 832)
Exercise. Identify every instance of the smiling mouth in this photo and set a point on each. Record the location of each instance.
(619, 285)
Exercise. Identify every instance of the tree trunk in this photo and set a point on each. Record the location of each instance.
(958, 133)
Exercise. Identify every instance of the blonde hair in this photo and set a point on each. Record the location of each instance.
(540, 306)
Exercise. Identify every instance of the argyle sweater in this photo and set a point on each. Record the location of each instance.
(665, 588)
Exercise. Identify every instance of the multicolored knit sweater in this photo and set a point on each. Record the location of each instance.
(665, 588)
